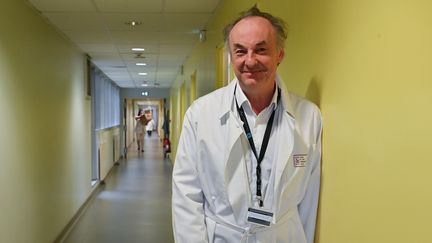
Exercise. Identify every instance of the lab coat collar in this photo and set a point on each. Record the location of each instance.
(286, 102)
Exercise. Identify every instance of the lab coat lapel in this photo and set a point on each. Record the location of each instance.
(284, 148)
(287, 137)
(236, 178)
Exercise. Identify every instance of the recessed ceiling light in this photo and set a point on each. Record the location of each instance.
(142, 73)
(137, 49)
(133, 23)
(141, 64)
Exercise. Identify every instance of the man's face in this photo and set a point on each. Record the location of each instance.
(254, 53)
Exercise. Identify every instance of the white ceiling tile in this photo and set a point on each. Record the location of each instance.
(102, 63)
(63, 5)
(190, 6)
(106, 56)
(184, 22)
(97, 48)
(76, 21)
(131, 37)
(171, 58)
(129, 6)
(88, 37)
(116, 70)
(176, 49)
(178, 38)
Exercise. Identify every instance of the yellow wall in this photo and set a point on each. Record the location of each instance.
(367, 65)
(130, 123)
(175, 118)
(45, 128)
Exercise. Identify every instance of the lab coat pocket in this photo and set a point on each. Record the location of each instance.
(225, 234)
(293, 231)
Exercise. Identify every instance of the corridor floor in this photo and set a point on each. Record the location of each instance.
(134, 205)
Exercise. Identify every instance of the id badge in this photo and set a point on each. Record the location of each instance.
(259, 216)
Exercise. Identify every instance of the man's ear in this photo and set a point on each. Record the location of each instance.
(281, 56)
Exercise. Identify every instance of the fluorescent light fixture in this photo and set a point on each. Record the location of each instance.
(145, 93)
(137, 49)
(142, 73)
(145, 85)
(141, 64)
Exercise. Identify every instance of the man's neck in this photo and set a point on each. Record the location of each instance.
(260, 99)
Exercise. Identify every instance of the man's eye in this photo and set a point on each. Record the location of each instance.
(261, 50)
(240, 52)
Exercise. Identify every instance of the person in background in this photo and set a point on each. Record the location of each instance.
(247, 167)
(150, 124)
(139, 129)
(165, 124)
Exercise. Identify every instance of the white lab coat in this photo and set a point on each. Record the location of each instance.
(211, 192)
(150, 125)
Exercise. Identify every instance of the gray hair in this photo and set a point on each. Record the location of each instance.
(278, 24)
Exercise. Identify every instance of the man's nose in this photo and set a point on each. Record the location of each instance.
(250, 59)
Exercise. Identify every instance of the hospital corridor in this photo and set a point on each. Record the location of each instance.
(134, 203)
(105, 103)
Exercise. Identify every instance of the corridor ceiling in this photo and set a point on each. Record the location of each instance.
(168, 30)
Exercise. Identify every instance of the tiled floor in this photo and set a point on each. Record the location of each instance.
(135, 203)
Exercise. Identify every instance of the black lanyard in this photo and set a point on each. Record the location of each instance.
(252, 144)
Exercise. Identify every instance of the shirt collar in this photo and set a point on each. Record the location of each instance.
(242, 99)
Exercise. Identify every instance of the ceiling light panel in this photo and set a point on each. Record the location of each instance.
(149, 22)
(127, 48)
(141, 70)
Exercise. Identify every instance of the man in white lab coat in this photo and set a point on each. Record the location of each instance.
(247, 167)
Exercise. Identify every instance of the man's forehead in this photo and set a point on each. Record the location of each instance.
(240, 45)
(253, 20)
(252, 25)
